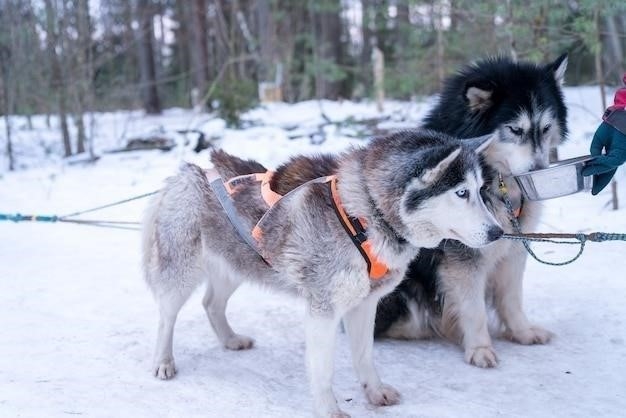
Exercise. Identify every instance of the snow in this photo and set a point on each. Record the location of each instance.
(78, 325)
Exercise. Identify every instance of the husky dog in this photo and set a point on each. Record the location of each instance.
(396, 185)
(448, 288)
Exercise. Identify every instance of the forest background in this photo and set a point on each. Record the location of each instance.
(67, 58)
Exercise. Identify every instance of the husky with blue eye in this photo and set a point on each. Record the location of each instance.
(448, 289)
(340, 242)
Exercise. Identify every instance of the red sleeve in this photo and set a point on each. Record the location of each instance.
(620, 97)
(616, 114)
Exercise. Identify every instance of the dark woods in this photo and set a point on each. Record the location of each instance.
(69, 57)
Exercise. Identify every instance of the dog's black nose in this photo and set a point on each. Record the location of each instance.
(494, 233)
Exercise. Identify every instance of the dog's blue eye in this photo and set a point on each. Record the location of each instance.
(546, 128)
(515, 130)
(463, 194)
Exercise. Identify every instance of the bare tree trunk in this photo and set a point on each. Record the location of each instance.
(367, 23)
(509, 30)
(266, 31)
(5, 73)
(58, 74)
(161, 43)
(327, 40)
(598, 59)
(149, 92)
(131, 66)
(438, 19)
(7, 123)
(7, 101)
(378, 61)
(200, 54)
(403, 29)
(83, 73)
(80, 132)
(616, 57)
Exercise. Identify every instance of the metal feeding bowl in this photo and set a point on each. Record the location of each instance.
(560, 179)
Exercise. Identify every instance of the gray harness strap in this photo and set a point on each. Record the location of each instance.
(245, 231)
(217, 185)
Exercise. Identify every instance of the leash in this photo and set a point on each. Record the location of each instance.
(133, 226)
(553, 238)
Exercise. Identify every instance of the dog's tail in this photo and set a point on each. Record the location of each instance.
(171, 232)
(229, 166)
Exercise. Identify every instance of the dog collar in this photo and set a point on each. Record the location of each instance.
(504, 191)
(389, 230)
(356, 230)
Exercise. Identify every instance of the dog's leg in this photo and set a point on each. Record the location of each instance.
(465, 308)
(508, 279)
(359, 322)
(321, 333)
(219, 290)
(169, 306)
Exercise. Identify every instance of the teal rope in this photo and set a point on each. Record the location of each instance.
(606, 236)
(582, 239)
(53, 218)
(525, 239)
(18, 217)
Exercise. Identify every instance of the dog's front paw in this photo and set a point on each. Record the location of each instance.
(484, 357)
(239, 342)
(382, 395)
(532, 335)
(165, 369)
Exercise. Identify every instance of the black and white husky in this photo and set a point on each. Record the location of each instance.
(447, 289)
(396, 187)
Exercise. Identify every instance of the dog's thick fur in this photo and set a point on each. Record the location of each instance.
(448, 289)
(396, 184)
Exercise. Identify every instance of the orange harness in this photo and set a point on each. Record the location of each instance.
(354, 227)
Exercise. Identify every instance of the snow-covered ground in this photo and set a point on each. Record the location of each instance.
(77, 324)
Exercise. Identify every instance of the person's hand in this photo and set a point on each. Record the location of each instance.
(604, 166)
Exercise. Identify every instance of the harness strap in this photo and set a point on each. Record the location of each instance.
(356, 230)
(354, 227)
(223, 196)
(269, 196)
(257, 231)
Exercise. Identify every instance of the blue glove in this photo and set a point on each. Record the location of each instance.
(604, 166)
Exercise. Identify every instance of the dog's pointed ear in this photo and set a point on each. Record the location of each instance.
(432, 174)
(478, 97)
(479, 143)
(558, 67)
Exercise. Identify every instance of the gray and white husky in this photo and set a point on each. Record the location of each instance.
(447, 289)
(396, 185)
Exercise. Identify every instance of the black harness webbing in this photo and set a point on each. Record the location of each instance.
(357, 234)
